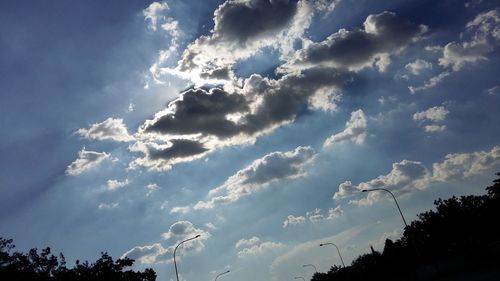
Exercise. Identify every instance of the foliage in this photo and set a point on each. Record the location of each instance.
(44, 266)
(459, 238)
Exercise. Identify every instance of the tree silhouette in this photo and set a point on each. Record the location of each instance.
(459, 238)
(44, 266)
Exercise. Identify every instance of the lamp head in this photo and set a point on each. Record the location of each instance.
(197, 236)
(321, 244)
(364, 190)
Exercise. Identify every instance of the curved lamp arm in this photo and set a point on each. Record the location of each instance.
(175, 250)
(393, 197)
(221, 274)
(338, 251)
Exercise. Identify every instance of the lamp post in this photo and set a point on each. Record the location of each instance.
(323, 244)
(401, 213)
(175, 263)
(299, 277)
(221, 274)
(312, 265)
(394, 197)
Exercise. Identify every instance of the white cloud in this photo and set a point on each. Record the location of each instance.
(180, 210)
(271, 168)
(409, 176)
(486, 24)
(463, 165)
(433, 48)
(472, 3)
(247, 242)
(418, 66)
(116, 184)
(153, 13)
(131, 107)
(326, 5)
(151, 254)
(355, 130)
(494, 90)
(485, 32)
(404, 177)
(179, 231)
(255, 247)
(109, 129)
(334, 213)
(86, 160)
(457, 55)
(182, 230)
(434, 128)
(210, 225)
(435, 114)
(293, 220)
(315, 216)
(152, 187)
(431, 83)
(107, 206)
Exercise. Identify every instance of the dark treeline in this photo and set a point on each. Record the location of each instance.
(44, 266)
(460, 240)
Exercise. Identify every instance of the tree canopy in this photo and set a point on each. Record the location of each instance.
(459, 238)
(45, 266)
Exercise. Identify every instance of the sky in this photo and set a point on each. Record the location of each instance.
(129, 126)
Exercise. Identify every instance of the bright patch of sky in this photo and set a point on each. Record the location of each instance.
(132, 125)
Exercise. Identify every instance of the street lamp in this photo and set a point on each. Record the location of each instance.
(323, 244)
(401, 213)
(175, 263)
(395, 201)
(312, 265)
(299, 278)
(220, 274)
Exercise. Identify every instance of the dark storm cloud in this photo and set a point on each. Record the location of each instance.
(198, 111)
(180, 148)
(242, 28)
(283, 99)
(162, 156)
(216, 118)
(203, 118)
(383, 34)
(223, 73)
(244, 20)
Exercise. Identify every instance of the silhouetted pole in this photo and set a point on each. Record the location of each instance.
(299, 277)
(220, 274)
(338, 251)
(395, 201)
(401, 213)
(175, 263)
(306, 265)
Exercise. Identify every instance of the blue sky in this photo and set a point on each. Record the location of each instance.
(129, 126)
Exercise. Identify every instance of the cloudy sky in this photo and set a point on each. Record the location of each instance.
(128, 126)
